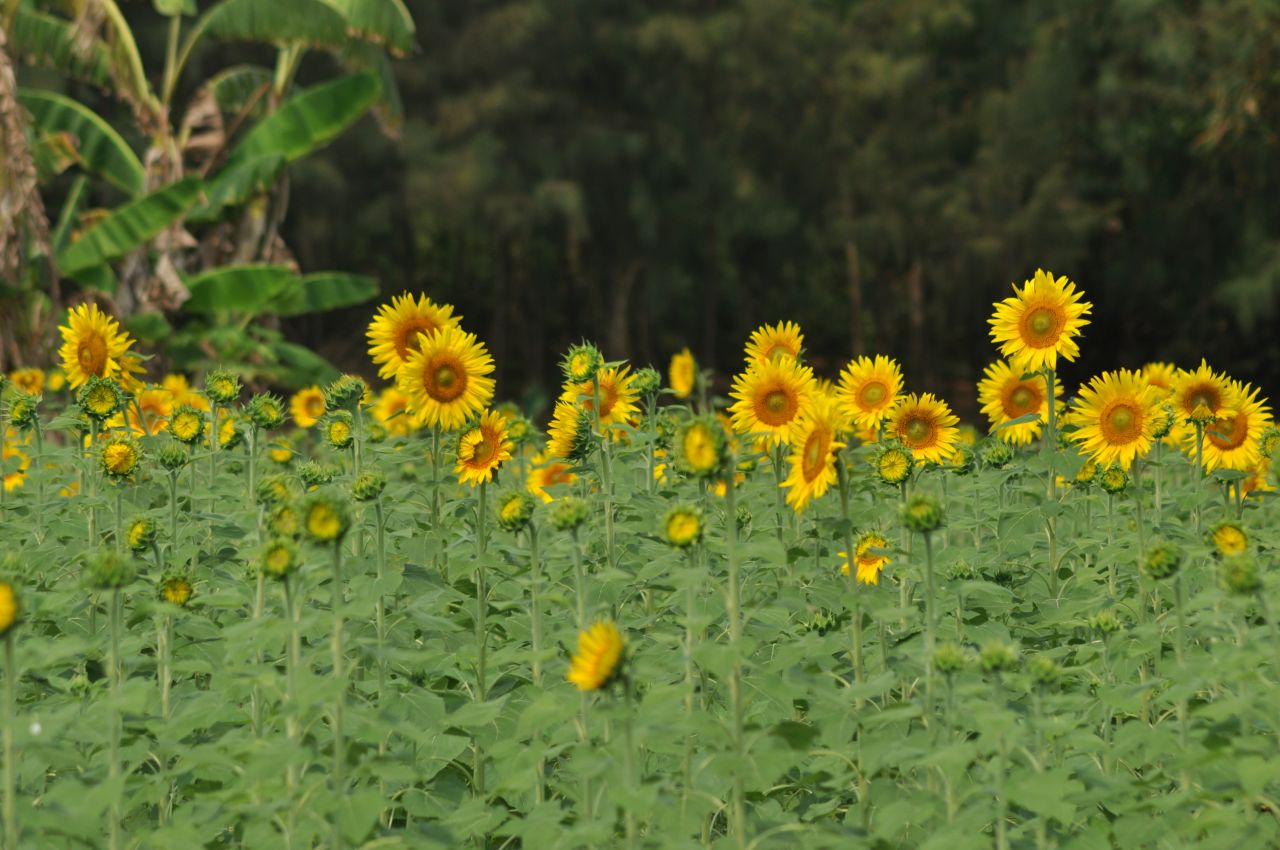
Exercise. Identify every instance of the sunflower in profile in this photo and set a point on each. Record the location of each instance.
(1116, 417)
(869, 564)
(813, 451)
(1005, 396)
(482, 448)
(683, 373)
(547, 473)
(925, 426)
(446, 379)
(393, 333)
(1200, 393)
(1234, 439)
(569, 433)
(1040, 322)
(617, 395)
(92, 344)
(700, 447)
(869, 388)
(599, 657)
(391, 411)
(770, 343)
(150, 414)
(769, 398)
(306, 406)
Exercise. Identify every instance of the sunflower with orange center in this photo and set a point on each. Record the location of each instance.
(393, 333)
(869, 564)
(548, 473)
(618, 398)
(769, 398)
(92, 344)
(482, 449)
(770, 343)
(30, 381)
(1200, 389)
(307, 406)
(151, 411)
(1116, 417)
(1234, 439)
(1040, 322)
(391, 411)
(1005, 396)
(869, 389)
(813, 451)
(925, 425)
(446, 379)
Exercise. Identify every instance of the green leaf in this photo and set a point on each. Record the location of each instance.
(247, 288)
(1021, 420)
(309, 120)
(303, 366)
(238, 86)
(279, 22)
(130, 226)
(67, 217)
(101, 148)
(324, 291)
(39, 39)
(236, 184)
(169, 8)
(384, 22)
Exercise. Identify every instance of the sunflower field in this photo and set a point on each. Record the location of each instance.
(810, 612)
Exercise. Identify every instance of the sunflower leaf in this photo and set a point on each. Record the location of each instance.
(1021, 420)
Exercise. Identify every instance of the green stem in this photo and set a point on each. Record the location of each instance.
(629, 761)
(733, 606)
(339, 742)
(482, 635)
(293, 663)
(851, 560)
(10, 764)
(435, 486)
(119, 518)
(930, 623)
(114, 745)
(535, 606)
(380, 612)
(1002, 802)
(579, 581)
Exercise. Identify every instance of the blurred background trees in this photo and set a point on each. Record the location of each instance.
(654, 174)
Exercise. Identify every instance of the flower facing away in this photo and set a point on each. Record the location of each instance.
(368, 486)
(398, 328)
(10, 608)
(569, 514)
(1040, 322)
(813, 451)
(599, 657)
(769, 398)
(682, 374)
(346, 392)
(682, 526)
(1233, 440)
(923, 514)
(93, 345)
(869, 563)
(1116, 417)
(307, 406)
(869, 388)
(446, 379)
(1229, 538)
(515, 510)
(925, 426)
(569, 432)
(482, 449)
(325, 518)
(1005, 396)
(771, 343)
(700, 447)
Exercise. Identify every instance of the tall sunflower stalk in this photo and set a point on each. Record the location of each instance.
(10, 762)
(733, 607)
(482, 633)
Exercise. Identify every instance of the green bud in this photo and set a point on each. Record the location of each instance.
(1105, 622)
(23, 410)
(279, 558)
(345, 393)
(325, 517)
(997, 657)
(172, 456)
(266, 411)
(1044, 670)
(314, 474)
(1161, 561)
(1114, 480)
(1239, 575)
(275, 490)
(569, 513)
(222, 387)
(647, 381)
(922, 514)
(581, 363)
(108, 569)
(368, 486)
(950, 659)
(997, 454)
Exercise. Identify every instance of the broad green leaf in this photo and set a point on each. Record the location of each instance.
(67, 216)
(277, 22)
(247, 288)
(384, 22)
(169, 8)
(324, 291)
(130, 226)
(1021, 420)
(102, 149)
(309, 120)
(238, 86)
(303, 366)
(39, 39)
(236, 184)
(362, 56)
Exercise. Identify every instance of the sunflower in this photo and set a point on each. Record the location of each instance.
(870, 564)
(176, 590)
(617, 395)
(391, 411)
(1199, 388)
(14, 475)
(1005, 396)
(1040, 322)
(1161, 376)
(481, 449)
(1229, 538)
(119, 457)
(569, 432)
(92, 344)
(1234, 439)
(100, 398)
(683, 373)
(598, 658)
(278, 558)
(1258, 480)
(9, 607)
(30, 381)
(445, 379)
(325, 518)
(581, 363)
(394, 334)
(813, 452)
(682, 526)
(770, 397)
(141, 534)
(701, 449)
(187, 424)
(925, 426)
(150, 413)
(548, 473)
(770, 343)
(515, 510)
(338, 429)
(869, 388)
(180, 390)
(894, 463)
(307, 406)
(1115, 417)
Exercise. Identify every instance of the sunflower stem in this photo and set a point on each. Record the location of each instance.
(691, 688)
(91, 485)
(119, 518)
(10, 765)
(851, 564)
(629, 763)
(1199, 501)
(435, 489)
(579, 581)
(482, 606)
(380, 610)
(113, 673)
(930, 623)
(1001, 801)
(293, 663)
(339, 742)
(733, 608)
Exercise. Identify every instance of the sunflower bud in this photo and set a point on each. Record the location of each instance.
(281, 452)
(285, 521)
(230, 431)
(274, 490)
(1239, 575)
(894, 463)
(345, 393)
(682, 526)
(1202, 415)
(1087, 473)
(176, 589)
(1161, 561)
(315, 474)
(119, 457)
(141, 535)
(325, 518)
(1105, 622)
(172, 456)
(997, 454)
(187, 424)
(338, 429)
(923, 514)
(700, 448)
(23, 411)
(515, 509)
(266, 411)
(1044, 670)
(647, 382)
(1229, 538)
(1165, 418)
(109, 570)
(368, 486)
(100, 398)
(581, 363)
(221, 386)
(1270, 442)
(950, 659)
(278, 559)
(744, 519)
(998, 657)
(569, 513)
(1114, 480)
(962, 461)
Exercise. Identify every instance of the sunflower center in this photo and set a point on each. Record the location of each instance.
(873, 393)
(407, 335)
(918, 431)
(1024, 399)
(1041, 326)
(1229, 432)
(482, 450)
(1206, 396)
(699, 448)
(92, 354)
(446, 379)
(1121, 423)
(779, 350)
(777, 407)
(815, 455)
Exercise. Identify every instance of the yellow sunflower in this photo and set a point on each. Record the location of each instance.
(30, 381)
(92, 344)
(925, 426)
(769, 398)
(14, 473)
(150, 412)
(1161, 376)
(391, 411)
(1234, 439)
(569, 432)
(683, 373)
(1040, 322)
(1259, 480)
(180, 391)
(869, 388)
(617, 395)
(770, 343)
(393, 333)
(1199, 388)
(813, 451)
(446, 379)
(598, 658)
(307, 406)
(548, 473)
(1004, 396)
(481, 449)
(869, 563)
(1116, 417)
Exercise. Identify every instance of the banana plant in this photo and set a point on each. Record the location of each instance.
(198, 209)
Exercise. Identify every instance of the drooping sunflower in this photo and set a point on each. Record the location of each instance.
(869, 564)
(683, 373)
(617, 395)
(770, 343)
(925, 426)
(1234, 439)
(599, 656)
(307, 406)
(1200, 388)
(1040, 322)
(814, 445)
(1005, 396)
(548, 473)
(393, 333)
(482, 449)
(151, 411)
(1116, 417)
(446, 379)
(769, 397)
(92, 344)
(869, 388)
